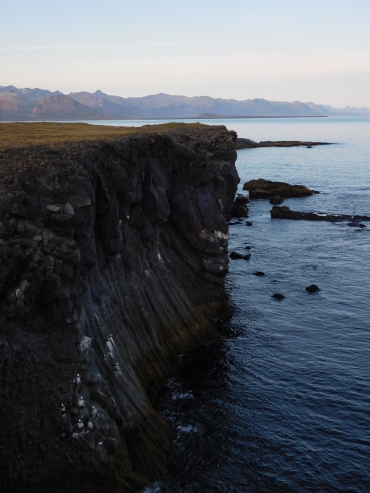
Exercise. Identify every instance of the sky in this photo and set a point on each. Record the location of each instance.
(282, 50)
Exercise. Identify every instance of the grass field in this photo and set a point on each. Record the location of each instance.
(29, 134)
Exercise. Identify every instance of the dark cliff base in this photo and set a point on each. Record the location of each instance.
(113, 251)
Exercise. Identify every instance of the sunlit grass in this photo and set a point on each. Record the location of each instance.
(30, 134)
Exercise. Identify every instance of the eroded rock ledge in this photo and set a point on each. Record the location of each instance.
(113, 255)
(286, 213)
(251, 144)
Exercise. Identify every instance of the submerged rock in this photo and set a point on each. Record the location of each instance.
(313, 288)
(265, 189)
(278, 296)
(356, 225)
(236, 256)
(259, 273)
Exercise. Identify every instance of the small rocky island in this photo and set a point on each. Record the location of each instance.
(251, 144)
(286, 213)
(265, 189)
(113, 254)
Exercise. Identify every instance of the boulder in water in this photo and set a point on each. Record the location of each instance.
(236, 256)
(278, 296)
(276, 200)
(239, 210)
(313, 288)
(242, 200)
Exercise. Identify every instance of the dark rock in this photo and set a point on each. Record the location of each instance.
(265, 189)
(247, 257)
(356, 225)
(285, 213)
(242, 199)
(276, 199)
(239, 208)
(248, 223)
(236, 256)
(309, 147)
(278, 296)
(245, 143)
(250, 144)
(248, 247)
(313, 288)
(113, 254)
(239, 211)
(259, 273)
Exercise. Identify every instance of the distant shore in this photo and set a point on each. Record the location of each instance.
(215, 117)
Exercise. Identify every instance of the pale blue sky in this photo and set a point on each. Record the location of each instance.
(276, 49)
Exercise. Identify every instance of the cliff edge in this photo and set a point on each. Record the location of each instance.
(113, 253)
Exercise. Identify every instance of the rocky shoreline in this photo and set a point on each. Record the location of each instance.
(113, 251)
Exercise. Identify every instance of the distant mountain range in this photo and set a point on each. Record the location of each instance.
(40, 104)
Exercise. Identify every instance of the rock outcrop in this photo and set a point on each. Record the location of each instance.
(285, 212)
(240, 208)
(113, 255)
(266, 189)
(242, 143)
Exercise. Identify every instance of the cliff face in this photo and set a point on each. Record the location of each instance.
(113, 255)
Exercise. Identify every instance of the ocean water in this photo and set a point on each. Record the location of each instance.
(282, 402)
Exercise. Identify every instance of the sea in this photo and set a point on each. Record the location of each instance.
(282, 402)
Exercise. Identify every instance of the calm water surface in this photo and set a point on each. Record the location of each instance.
(282, 403)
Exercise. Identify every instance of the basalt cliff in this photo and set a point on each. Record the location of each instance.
(113, 251)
